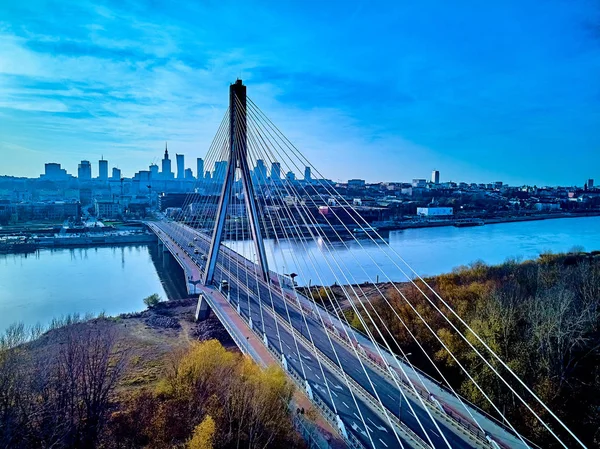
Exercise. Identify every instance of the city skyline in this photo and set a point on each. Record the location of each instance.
(501, 93)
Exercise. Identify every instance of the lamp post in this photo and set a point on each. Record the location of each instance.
(248, 346)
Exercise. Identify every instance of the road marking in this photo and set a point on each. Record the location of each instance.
(435, 433)
(345, 404)
(317, 376)
(381, 428)
(383, 442)
(309, 367)
(391, 397)
(334, 393)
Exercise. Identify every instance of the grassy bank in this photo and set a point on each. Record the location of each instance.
(153, 379)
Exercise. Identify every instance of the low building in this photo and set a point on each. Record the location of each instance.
(435, 211)
(107, 209)
(356, 183)
(546, 206)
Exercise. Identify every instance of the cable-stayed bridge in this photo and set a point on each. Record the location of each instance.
(363, 383)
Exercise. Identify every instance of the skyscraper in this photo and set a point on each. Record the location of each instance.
(220, 171)
(260, 171)
(189, 174)
(84, 171)
(166, 165)
(199, 168)
(180, 166)
(435, 177)
(275, 172)
(307, 176)
(103, 170)
(116, 174)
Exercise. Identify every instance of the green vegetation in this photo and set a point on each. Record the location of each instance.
(541, 317)
(68, 388)
(152, 300)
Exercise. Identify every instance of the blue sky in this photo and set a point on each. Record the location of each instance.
(481, 91)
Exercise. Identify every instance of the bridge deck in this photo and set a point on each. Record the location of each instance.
(285, 317)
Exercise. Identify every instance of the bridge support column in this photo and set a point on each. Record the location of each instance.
(202, 309)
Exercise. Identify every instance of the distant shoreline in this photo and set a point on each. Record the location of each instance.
(489, 221)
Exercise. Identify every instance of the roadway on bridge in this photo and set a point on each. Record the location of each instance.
(253, 294)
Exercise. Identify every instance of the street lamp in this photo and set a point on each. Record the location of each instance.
(248, 346)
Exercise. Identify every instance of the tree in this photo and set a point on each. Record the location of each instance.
(152, 300)
(204, 434)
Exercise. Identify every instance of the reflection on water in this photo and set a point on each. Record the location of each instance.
(429, 251)
(52, 282)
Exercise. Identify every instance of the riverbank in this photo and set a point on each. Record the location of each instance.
(147, 347)
(435, 223)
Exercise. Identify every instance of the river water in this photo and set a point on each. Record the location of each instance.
(54, 282)
(49, 283)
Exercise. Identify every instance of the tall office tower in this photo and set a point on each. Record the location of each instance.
(116, 174)
(435, 177)
(307, 176)
(180, 166)
(166, 165)
(189, 174)
(154, 172)
(84, 171)
(275, 172)
(220, 171)
(260, 171)
(590, 183)
(207, 176)
(199, 168)
(103, 170)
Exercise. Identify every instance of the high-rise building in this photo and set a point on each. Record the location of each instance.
(290, 176)
(220, 171)
(260, 171)
(53, 172)
(103, 170)
(154, 172)
(180, 166)
(189, 174)
(275, 172)
(435, 176)
(166, 165)
(199, 168)
(207, 176)
(116, 174)
(84, 171)
(307, 175)
(590, 183)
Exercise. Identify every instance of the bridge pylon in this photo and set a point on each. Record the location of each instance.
(238, 160)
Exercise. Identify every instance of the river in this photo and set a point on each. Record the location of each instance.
(36, 287)
(55, 282)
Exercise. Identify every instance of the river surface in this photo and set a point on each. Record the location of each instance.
(50, 283)
(428, 251)
(54, 282)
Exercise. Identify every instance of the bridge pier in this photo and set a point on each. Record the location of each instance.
(202, 309)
